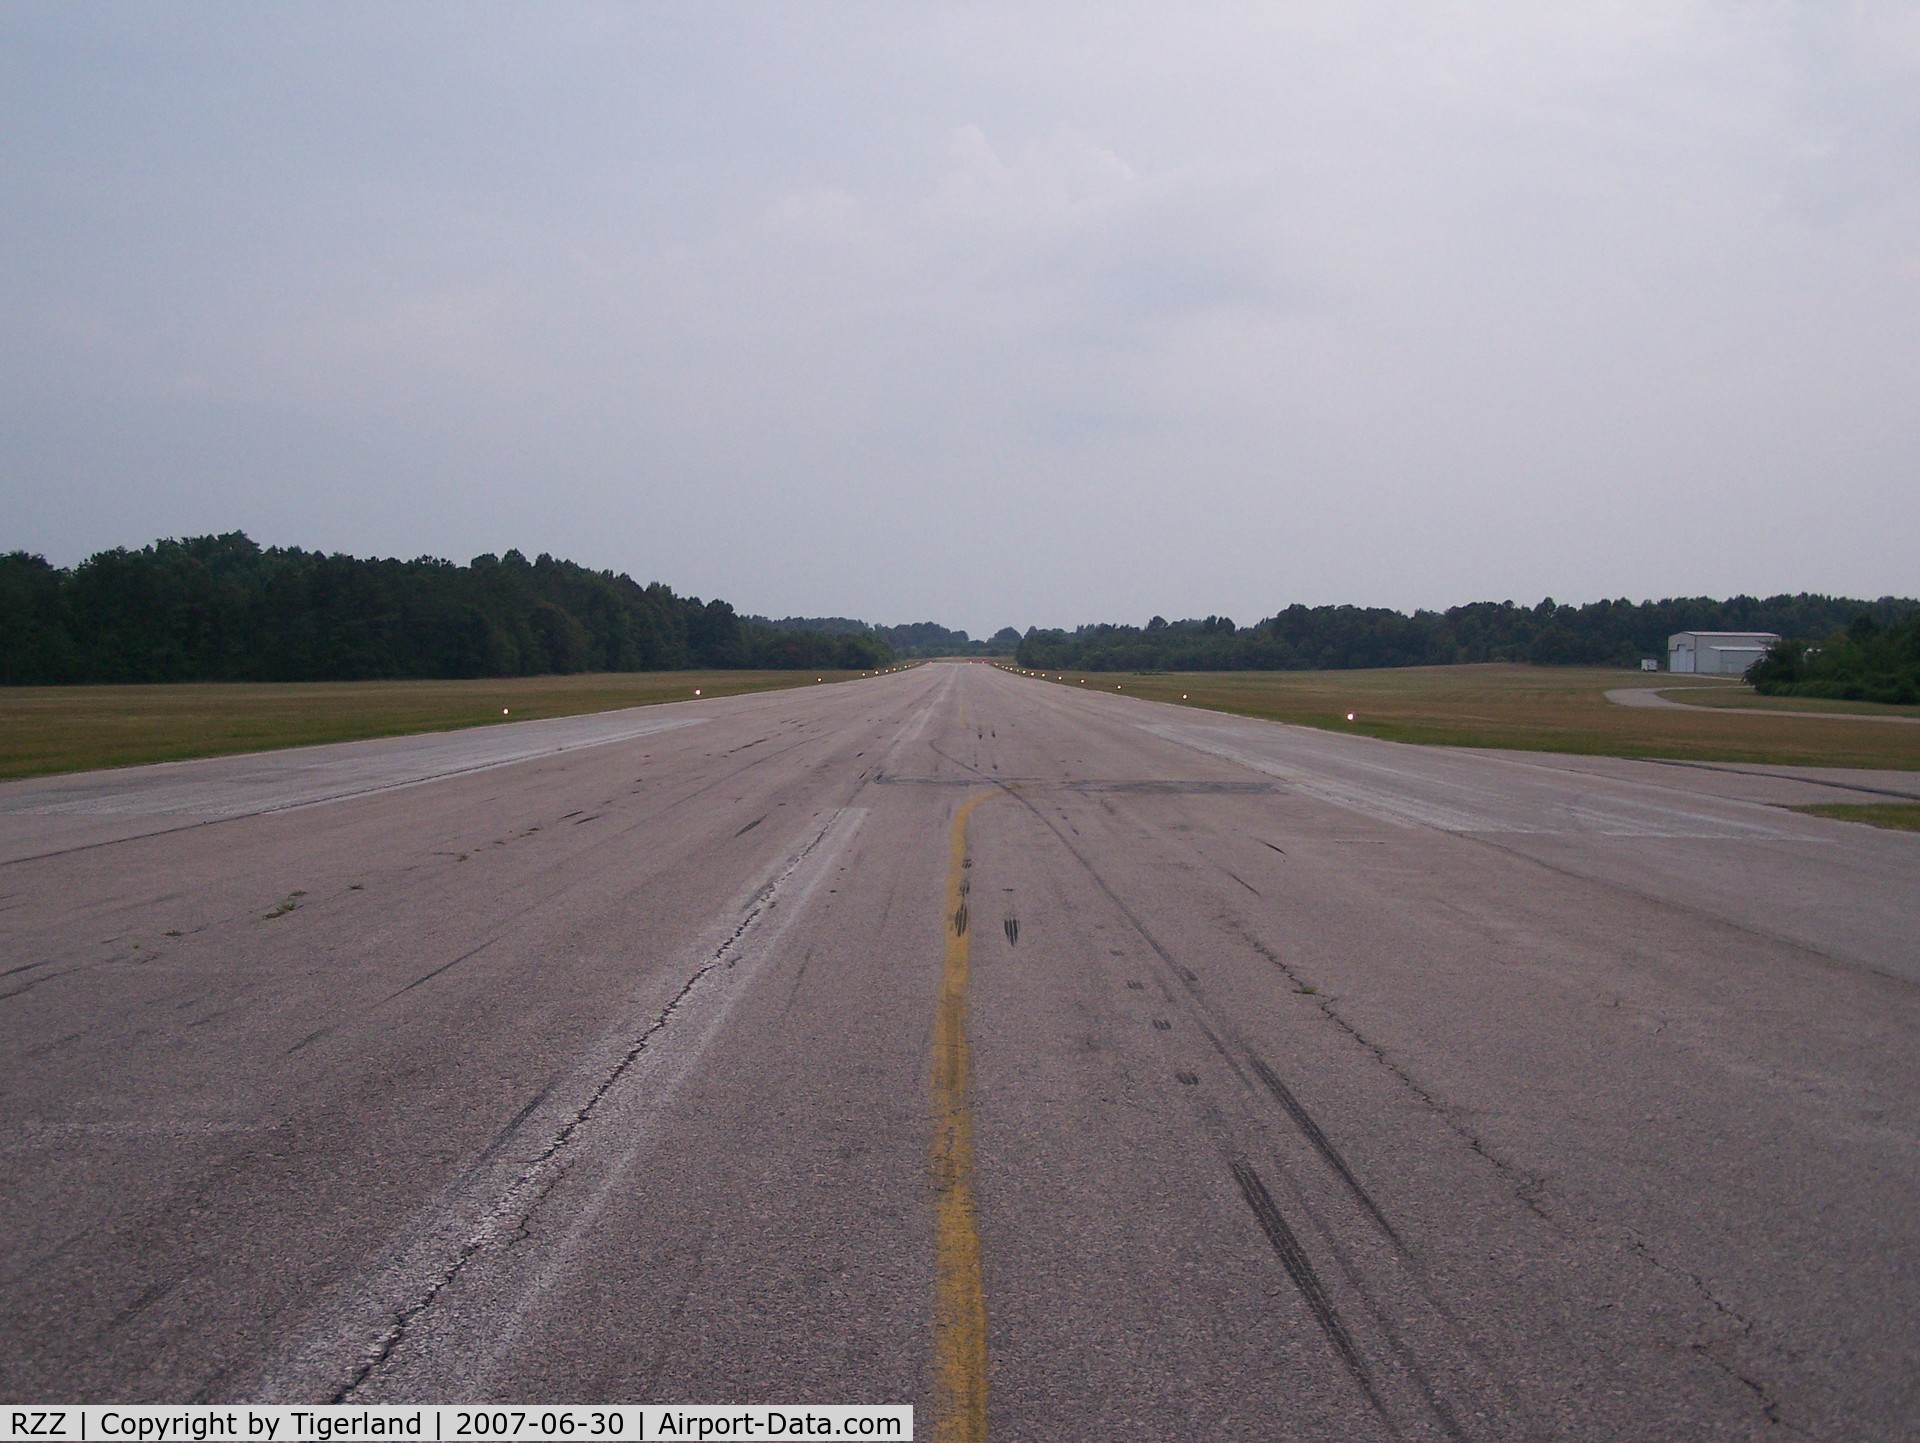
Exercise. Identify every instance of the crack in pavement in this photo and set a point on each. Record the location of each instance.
(486, 1213)
(1769, 1405)
(1525, 1186)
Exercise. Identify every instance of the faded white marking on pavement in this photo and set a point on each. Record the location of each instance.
(311, 776)
(444, 1304)
(1411, 793)
(913, 733)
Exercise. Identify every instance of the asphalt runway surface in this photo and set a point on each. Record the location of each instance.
(1069, 1066)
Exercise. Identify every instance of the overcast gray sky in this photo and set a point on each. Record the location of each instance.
(989, 315)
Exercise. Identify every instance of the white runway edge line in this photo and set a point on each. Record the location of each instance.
(443, 1305)
(526, 1422)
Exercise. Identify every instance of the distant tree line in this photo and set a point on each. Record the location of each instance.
(914, 639)
(221, 608)
(1866, 662)
(1601, 633)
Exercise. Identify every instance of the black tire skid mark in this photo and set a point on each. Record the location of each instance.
(1200, 1013)
(1311, 1130)
(1294, 1259)
(607, 838)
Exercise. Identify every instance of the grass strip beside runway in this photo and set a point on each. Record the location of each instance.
(1527, 708)
(49, 729)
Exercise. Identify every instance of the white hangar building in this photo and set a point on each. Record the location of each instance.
(1717, 653)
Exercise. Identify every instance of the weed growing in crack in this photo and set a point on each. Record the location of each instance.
(284, 907)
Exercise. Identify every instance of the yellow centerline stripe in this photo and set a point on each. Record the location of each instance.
(960, 1304)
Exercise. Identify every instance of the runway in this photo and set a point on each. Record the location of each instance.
(1067, 1065)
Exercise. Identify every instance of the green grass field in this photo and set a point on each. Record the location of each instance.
(47, 729)
(1534, 708)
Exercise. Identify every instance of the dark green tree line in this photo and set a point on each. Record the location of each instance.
(1601, 633)
(913, 639)
(221, 608)
(1866, 662)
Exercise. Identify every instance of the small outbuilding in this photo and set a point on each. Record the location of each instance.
(1717, 653)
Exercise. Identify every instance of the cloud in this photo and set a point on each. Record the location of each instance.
(1401, 303)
